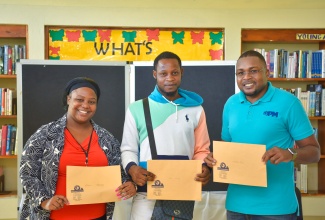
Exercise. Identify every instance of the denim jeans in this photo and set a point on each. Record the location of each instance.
(238, 216)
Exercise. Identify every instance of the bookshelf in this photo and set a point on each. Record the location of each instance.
(10, 35)
(288, 39)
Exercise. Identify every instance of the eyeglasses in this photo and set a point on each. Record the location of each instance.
(251, 72)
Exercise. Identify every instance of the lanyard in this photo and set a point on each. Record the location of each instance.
(85, 152)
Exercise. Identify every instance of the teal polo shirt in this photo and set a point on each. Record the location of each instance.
(276, 119)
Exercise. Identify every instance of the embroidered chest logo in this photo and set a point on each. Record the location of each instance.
(186, 117)
(271, 113)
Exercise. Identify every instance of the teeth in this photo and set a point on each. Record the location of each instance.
(250, 84)
(84, 112)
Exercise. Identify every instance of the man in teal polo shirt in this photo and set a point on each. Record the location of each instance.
(263, 114)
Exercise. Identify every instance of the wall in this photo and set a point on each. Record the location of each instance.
(231, 15)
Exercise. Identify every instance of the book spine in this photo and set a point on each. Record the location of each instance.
(9, 128)
(9, 60)
(323, 102)
(13, 140)
(16, 143)
(318, 99)
(3, 100)
(322, 64)
(4, 139)
(303, 182)
(5, 59)
(1, 59)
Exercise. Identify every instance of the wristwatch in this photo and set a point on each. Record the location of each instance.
(293, 152)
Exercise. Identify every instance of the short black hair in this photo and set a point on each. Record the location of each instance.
(77, 83)
(253, 53)
(166, 55)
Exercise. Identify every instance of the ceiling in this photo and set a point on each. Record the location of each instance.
(190, 4)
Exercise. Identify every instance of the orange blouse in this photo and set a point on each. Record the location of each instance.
(73, 155)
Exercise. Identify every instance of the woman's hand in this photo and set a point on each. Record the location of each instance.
(55, 203)
(126, 190)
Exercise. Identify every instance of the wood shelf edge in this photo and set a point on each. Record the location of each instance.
(8, 157)
(313, 193)
(6, 76)
(9, 195)
(8, 116)
(296, 79)
(13, 31)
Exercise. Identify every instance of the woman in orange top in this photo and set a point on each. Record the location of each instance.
(73, 140)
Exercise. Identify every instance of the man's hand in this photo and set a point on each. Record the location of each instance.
(209, 160)
(203, 177)
(276, 155)
(140, 176)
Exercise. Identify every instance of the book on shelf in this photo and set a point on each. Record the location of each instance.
(274, 63)
(3, 100)
(8, 140)
(309, 61)
(0, 140)
(5, 58)
(4, 130)
(323, 103)
(295, 64)
(320, 63)
(9, 56)
(318, 100)
(297, 177)
(8, 101)
(9, 60)
(16, 143)
(13, 137)
(1, 60)
(303, 178)
(311, 98)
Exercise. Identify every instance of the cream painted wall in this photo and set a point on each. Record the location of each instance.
(37, 14)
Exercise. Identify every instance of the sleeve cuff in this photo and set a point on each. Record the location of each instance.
(205, 164)
(129, 166)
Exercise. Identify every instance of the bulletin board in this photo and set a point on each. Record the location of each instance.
(132, 44)
(41, 83)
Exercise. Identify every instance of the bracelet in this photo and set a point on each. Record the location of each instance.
(134, 184)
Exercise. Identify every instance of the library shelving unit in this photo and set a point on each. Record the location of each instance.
(10, 35)
(288, 39)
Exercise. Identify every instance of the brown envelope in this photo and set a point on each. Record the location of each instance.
(174, 180)
(239, 163)
(89, 185)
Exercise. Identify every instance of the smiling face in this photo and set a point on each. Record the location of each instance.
(82, 105)
(168, 74)
(251, 75)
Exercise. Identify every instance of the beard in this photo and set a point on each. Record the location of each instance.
(255, 92)
(170, 94)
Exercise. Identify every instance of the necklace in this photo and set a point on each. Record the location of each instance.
(85, 152)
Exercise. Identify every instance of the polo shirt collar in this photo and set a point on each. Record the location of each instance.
(265, 98)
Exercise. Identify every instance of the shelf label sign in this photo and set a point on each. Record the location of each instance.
(300, 36)
(134, 44)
